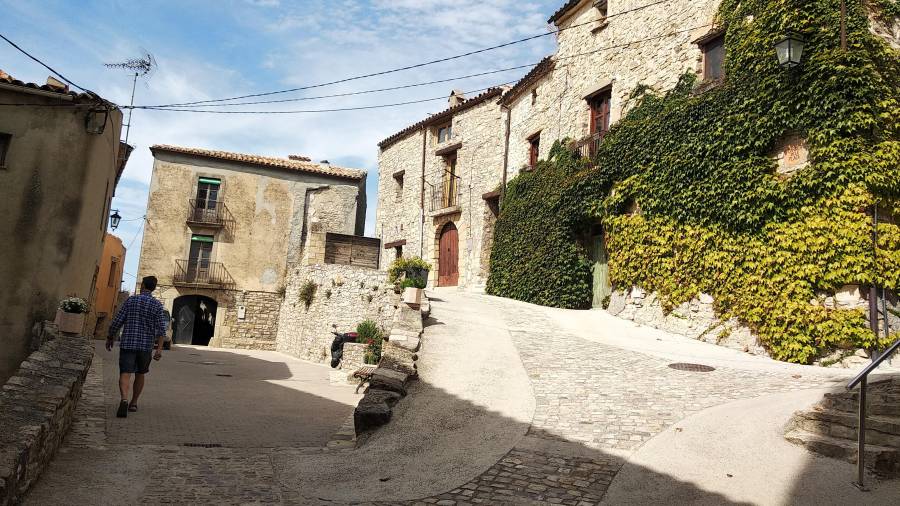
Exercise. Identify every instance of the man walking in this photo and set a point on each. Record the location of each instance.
(144, 320)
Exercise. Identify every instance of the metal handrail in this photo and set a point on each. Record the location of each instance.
(875, 363)
(861, 379)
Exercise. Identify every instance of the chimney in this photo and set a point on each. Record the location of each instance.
(57, 85)
(456, 97)
(299, 158)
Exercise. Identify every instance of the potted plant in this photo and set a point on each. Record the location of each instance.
(412, 290)
(70, 315)
(409, 268)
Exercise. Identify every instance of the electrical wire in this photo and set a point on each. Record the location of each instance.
(416, 65)
(48, 67)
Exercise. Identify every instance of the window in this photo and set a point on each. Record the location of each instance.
(600, 106)
(534, 150)
(113, 271)
(398, 186)
(5, 140)
(207, 192)
(199, 257)
(713, 57)
(444, 132)
(398, 251)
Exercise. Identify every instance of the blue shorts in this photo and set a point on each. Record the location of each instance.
(134, 361)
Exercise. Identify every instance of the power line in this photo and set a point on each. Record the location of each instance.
(305, 111)
(352, 93)
(48, 67)
(417, 65)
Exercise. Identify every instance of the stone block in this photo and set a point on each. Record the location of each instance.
(616, 302)
(849, 297)
(389, 379)
(705, 298)
(407, 321)
(374, 409)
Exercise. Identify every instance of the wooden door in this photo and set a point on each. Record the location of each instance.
(448, 256)
(600, 268)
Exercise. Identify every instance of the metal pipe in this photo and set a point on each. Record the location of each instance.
(131, 109)
(422, 198)
(505, 152)
(861, 437)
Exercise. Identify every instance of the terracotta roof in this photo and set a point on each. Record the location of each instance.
(562, 11)
(62, 90)
(539, 71)
(446, 113)
(265, 161)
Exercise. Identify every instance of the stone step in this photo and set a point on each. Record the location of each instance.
(881, 460)
(876, 403)
(880, 430)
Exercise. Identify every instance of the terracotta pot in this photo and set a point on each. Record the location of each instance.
(70, 323)
(412, 296)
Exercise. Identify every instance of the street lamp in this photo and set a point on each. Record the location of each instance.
(789, 50)
(114, 219)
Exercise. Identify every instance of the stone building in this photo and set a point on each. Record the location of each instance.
(107, 287)
(223, 230)
(605, 50)
(438, 188)
(60, 160)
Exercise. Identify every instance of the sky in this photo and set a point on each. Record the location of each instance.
(225, 48)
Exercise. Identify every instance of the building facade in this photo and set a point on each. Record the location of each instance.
(224, 229)
(438, 188)
(441, 179)
(60, 160)
(107, 287)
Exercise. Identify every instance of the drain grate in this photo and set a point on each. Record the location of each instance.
(203, 445)
(683, 366)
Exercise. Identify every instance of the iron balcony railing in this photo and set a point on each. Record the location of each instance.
(446, 195)
(587, 147)
(201, 273)
(211, 213)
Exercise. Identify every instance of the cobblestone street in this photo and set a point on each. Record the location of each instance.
(595, 404)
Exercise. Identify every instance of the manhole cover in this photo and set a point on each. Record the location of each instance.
(682, 366)
(204, 445)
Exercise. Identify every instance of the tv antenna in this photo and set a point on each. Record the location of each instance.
(141, 67)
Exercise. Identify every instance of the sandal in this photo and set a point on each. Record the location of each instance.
(122, 412)
(132, 407)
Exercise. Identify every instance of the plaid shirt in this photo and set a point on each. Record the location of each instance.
(144, 319)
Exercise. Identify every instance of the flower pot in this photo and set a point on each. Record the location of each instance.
(69, 323)
(417, 273)
(412, 296)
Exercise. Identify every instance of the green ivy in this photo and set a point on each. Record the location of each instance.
(686, 190)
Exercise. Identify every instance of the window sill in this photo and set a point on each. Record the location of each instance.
(447, 147)
(707, 85)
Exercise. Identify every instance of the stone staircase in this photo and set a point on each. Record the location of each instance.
(830, 427)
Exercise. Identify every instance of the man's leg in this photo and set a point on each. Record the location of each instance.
(125, 385)
(138, 388)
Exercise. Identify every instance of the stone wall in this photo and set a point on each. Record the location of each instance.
(695, 319)
(36, 408)
(398, 215)
(584, 65)
(258, 328)
(345, 296)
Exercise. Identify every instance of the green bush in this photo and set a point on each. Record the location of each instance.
(413, 283)
(711, 214)
(403, 264)
(307, 293)
(369, 333)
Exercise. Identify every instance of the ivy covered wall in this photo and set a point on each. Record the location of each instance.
(686, 187)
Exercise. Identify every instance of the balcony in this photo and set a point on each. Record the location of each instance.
(445, 198)
(201, 274)
(208, 213)
(587, 147)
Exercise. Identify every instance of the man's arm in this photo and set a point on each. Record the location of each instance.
(116, 324)
(163, 324)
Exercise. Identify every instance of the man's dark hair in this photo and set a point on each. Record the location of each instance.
(149, 283)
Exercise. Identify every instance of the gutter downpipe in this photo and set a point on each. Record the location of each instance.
(505, 151)
(422, 197)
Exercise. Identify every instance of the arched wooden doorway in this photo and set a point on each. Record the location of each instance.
(195, 319)
(448, 256)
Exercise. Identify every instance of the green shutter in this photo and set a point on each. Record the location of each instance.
(210, 181)
(202, 238)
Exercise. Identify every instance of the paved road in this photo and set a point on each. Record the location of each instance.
(517, 404)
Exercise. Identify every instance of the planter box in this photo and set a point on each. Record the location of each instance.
(412, 296)
(70, 323)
